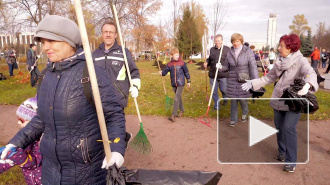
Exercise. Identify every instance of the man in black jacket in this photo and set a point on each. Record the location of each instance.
(31, 61)
(221, 81)
(110, 57)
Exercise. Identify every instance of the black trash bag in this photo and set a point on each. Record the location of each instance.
(160, 177)
(34, 76)
(2, 76)
(115, 176)
(257, 93)
(299, 105)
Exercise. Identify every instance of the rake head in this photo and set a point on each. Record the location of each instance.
(205, 118)
(169, 103)
(140, 142)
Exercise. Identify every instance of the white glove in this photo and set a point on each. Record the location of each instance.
(134, 91)
(304, 90)
(8, 161)
(115, 158)
(5, 150)
(218, 66)
(32, 67)
(247, 85)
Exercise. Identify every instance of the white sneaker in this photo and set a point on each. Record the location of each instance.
(244, 118)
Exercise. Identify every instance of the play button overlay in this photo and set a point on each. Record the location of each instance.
(255, 141)
(259, 131)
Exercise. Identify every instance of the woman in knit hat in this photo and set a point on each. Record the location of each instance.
(71, 153)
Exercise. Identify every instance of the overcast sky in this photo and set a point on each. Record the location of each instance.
(250, 17)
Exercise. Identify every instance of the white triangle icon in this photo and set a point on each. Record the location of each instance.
(259, 131)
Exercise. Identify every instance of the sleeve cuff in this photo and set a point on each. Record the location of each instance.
(137, 83)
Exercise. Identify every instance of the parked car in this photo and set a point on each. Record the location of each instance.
(196, 56)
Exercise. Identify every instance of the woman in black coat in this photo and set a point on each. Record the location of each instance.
(68, 122)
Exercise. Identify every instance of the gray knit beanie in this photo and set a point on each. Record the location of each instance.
(54, 27)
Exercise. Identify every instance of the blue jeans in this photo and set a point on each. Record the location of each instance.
(286, 123)
(314, 63)
(234, 108)
(11, 69)
(324, 64)
(222, 85)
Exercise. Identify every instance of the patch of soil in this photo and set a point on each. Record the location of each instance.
(186, 144)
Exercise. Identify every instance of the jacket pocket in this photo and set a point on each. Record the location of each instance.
(121, 90)
(83, 147)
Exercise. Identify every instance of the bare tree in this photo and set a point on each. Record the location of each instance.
(219, 13)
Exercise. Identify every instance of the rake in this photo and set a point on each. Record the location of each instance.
(205, 52)
(140, 142)
(208, 122)
(168, 101)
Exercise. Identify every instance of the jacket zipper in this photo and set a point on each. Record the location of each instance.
(175, 74)
(81, 146)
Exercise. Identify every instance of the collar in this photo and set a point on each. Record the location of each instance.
(114, 47)
(68, 62)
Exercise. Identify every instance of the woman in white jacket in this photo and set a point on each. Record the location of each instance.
(290, 64)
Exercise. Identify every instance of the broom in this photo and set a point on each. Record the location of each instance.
(92, 76)
(140, 141)
(168, 100)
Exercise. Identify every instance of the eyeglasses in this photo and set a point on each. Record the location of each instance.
(108, 33)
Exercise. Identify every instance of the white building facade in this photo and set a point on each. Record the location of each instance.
(271, 30)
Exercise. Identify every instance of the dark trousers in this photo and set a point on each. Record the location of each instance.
(328, 69)
(222, 84)
(286, 123)
(324, 63)
(11, 69)
(314, 63)
(177, 100)
(34, 76)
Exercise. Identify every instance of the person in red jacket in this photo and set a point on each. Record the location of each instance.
(315, 57)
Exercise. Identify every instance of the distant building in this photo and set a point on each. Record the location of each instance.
(22, 38)
(271, 30)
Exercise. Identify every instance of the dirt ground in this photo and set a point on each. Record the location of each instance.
(189, 145)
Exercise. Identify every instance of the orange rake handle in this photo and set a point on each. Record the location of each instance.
(207, 116)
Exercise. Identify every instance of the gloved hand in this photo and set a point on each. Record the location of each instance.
(7, 151)
(115, 158)
(218, 66)
(304, 90)
(205, 64)
(134, 91)
(32, 67)
(8, 161)
(247, 85)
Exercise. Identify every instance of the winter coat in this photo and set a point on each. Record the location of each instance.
(31, 58)
(11, 57)
(315, 55)
(69, 146)
(213, 60)
(112, 61)
(30, 162)
(178, 71)
(245, 63)
(295, 66)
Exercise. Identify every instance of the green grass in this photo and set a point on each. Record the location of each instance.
(151, 98)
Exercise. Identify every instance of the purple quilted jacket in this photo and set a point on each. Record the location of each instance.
(30, 162)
